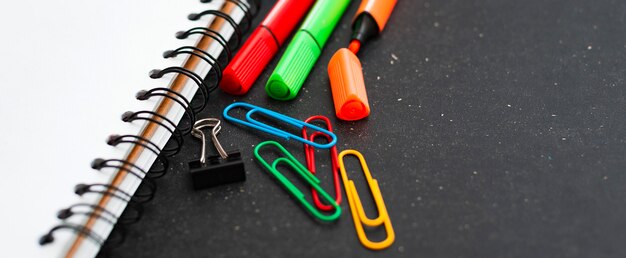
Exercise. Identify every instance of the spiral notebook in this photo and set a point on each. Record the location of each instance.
(71, 69)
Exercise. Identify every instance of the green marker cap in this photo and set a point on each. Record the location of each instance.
(293, 67)
(304, 49)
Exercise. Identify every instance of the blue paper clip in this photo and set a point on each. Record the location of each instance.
(250, 122)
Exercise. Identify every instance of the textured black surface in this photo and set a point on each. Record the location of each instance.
(497, 130)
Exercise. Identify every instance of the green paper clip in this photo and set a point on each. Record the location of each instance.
(292, 162)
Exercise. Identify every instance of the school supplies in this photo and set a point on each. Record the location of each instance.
(91, 85)
(277, 117)
(310, 161)
(344, 68)
(358, 214)
(304, 49)
(369, 21)
(347, 86)
(311, 180)
(225, 168)
(263, 44)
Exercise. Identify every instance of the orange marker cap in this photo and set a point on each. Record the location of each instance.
(348, 86)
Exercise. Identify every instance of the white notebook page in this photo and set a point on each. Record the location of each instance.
(69, 70)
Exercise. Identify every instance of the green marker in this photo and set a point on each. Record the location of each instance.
(305, 47)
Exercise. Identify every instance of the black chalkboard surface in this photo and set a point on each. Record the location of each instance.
(498, 129)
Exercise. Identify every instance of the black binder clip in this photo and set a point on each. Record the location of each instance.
(225, 168)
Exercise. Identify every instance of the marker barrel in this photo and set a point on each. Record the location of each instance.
(245, 68)
(305, 48)
(263, 44)
(371, 18)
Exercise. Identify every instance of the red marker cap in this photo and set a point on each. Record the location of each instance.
(263, 44)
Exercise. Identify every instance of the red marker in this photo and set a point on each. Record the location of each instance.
(262, 45)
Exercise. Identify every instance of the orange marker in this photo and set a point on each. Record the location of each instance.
(344, 68)
(369, 21)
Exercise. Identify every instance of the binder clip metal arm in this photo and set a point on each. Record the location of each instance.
(225, 168)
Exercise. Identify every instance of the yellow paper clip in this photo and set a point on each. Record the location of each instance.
(358, 214)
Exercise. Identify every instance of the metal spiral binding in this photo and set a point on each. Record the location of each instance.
(208, 33)
(182, 101)
(81, 230)
(146, 191)
(131, 116)
(246, 10)
(196, 16)
(213, 62)
(114, 140)
(204, 89)
(120, 164)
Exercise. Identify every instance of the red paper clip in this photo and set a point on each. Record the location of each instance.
(310, 161)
